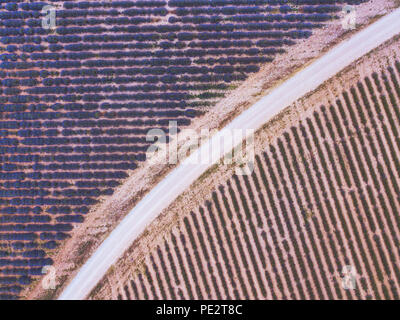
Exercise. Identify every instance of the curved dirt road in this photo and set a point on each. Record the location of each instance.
(179, 179)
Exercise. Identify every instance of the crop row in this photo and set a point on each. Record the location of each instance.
(322, 196)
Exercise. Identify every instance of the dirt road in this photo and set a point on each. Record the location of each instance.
(186, 173)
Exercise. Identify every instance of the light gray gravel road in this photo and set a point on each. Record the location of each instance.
(179, 179)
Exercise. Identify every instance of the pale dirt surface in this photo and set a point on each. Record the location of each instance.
(131, 263)
(103, 217)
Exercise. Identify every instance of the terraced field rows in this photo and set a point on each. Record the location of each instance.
(323, 196)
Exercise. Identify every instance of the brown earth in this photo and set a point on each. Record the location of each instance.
(109, 212)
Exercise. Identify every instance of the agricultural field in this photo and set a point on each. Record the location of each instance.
(77, 101)
(324, 196)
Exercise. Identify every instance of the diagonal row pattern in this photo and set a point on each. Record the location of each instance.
(76, 102)
(324, 195)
